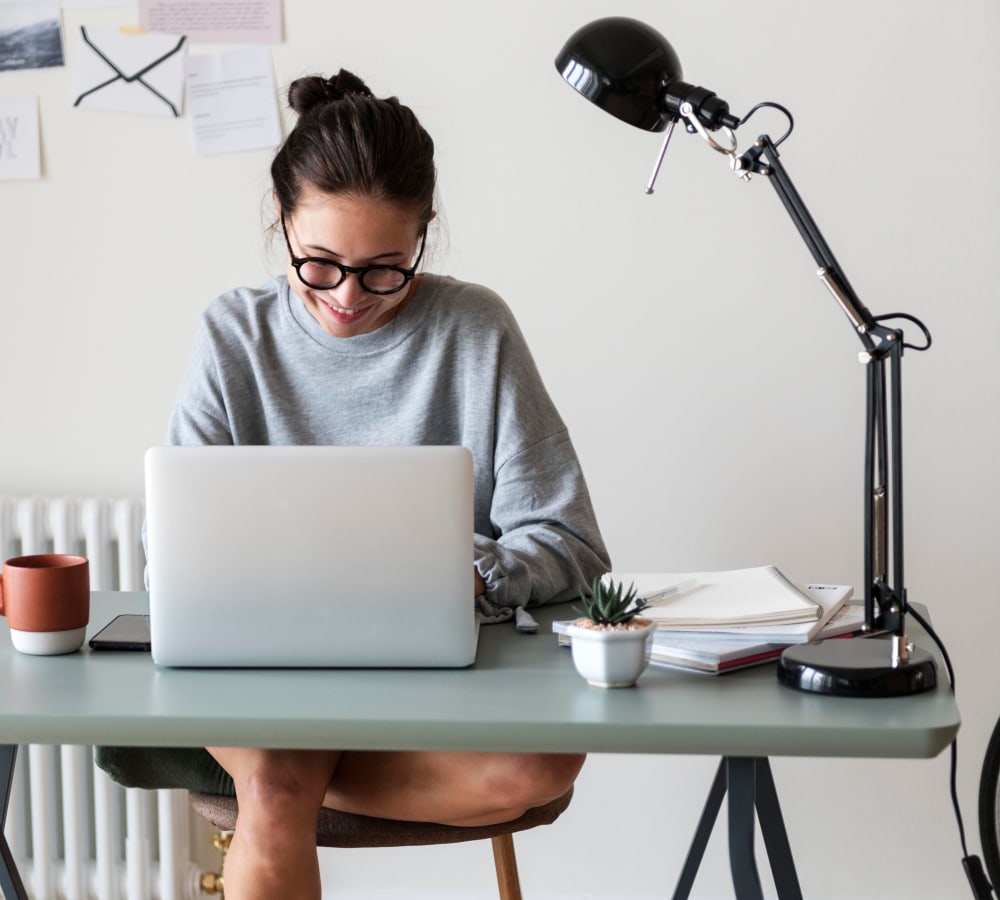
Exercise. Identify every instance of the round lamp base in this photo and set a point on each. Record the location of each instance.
(855, 667)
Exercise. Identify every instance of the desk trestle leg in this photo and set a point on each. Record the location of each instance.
(11, 885)
(750, 786)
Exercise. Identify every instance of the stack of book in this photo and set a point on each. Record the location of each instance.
(715, 622)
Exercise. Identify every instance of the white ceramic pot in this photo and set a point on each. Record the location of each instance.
(612, 657)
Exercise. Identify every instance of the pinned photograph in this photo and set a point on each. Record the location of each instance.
(30, 35)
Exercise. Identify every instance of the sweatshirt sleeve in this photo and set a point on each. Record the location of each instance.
(549, 545)
(199, 415)
(545, 544)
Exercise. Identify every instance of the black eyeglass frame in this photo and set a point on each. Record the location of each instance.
(299, 261)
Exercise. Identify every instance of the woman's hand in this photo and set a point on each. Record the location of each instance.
(480, 586)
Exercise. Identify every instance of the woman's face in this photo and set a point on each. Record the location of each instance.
(353, 231)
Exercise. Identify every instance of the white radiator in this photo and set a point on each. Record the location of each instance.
(74, 833)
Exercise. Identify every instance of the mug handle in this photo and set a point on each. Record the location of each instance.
(3, 611)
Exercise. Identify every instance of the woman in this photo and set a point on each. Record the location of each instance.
(351, 346)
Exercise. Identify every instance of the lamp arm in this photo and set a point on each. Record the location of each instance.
(763, 159)
(883, 347)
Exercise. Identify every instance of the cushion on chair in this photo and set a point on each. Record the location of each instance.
(339, 829)
(151, 768)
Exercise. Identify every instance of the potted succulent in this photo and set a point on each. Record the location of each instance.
(610, 642)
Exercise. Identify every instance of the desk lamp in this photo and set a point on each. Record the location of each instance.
(631, 71)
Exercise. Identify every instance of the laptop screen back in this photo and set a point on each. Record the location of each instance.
(310, 556)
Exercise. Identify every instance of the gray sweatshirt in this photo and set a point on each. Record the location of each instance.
(451, 368)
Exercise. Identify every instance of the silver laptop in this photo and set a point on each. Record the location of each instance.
(310, 556)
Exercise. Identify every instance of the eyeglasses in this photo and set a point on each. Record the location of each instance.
(323, 274)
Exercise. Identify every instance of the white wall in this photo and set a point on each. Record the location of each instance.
(710, 382)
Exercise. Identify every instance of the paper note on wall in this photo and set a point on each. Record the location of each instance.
(231, 99)
(215, 21)
(118, 71)
(89, 4)
(20, 151)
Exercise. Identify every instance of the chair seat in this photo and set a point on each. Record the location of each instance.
(340, 829)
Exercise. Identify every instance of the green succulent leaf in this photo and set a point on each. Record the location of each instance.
(610, 603)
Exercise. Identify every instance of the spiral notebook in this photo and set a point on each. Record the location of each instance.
(759, 595)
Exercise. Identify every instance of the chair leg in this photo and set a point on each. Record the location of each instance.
(508, 883)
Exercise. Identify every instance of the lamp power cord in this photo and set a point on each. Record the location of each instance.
(973, 865)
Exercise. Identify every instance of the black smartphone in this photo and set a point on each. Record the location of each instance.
(129, 631)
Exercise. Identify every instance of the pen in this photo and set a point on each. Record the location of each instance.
(667, 592)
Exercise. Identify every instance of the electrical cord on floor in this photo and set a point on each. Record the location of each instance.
(980, 884)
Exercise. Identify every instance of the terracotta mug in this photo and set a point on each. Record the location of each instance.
(46, 599)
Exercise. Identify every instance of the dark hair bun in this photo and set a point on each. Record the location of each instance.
(311, 91)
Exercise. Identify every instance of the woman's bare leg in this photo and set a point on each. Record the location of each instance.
(449, 788)
(280, 792)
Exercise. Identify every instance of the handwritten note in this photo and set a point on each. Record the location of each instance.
(232, 102)
(88, 4)
(20, 152)
(215, 21)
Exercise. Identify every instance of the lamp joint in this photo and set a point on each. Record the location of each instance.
(901, 650)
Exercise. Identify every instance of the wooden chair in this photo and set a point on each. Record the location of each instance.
(337, 829)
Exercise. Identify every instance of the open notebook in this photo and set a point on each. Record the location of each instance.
(759, 595)
(311, 556)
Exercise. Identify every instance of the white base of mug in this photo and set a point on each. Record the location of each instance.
(48, 643)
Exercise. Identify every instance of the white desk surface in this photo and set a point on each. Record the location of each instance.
(522, 694)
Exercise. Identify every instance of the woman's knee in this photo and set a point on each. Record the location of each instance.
(278, 780)
(534, 779)
(554, 773)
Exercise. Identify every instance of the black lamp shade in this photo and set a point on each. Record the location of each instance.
(623, 66)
